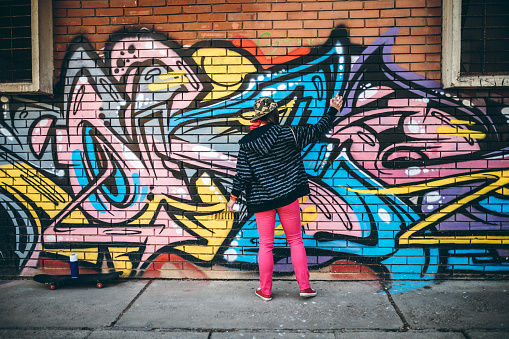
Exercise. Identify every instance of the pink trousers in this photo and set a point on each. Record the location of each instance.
(289, 216)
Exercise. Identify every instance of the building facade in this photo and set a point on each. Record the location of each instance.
(127, 158)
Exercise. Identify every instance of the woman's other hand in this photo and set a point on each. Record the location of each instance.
(336, 102)
(229, 206)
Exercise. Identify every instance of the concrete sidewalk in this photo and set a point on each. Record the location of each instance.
(229, 309)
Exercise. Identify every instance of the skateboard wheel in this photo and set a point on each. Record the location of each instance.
(99, 285)
(52, 286)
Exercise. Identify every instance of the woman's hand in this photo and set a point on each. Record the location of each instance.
(229, 205)
(336, 102)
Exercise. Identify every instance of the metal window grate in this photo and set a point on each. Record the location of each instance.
(484, 37)
(15, 41)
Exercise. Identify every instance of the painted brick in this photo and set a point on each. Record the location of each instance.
(275, 33)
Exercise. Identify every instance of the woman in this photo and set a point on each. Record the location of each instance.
(271, 172)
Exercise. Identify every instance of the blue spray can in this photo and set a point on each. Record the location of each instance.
(74, 266)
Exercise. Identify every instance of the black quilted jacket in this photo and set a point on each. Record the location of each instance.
(269, 167)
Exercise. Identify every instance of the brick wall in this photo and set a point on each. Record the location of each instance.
(130, 163)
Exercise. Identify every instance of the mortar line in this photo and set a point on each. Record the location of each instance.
(406, 325)
(114, 322)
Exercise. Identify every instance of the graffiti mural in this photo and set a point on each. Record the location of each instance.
(131, 164)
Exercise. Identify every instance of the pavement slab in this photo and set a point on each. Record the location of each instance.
(28, 304)
(194, 304)
(455, 304)
(135, 334)
(43, 334)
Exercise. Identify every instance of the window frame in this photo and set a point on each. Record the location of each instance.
(42, 52)
(451, 53)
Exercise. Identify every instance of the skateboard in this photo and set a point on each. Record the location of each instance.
(56, 280)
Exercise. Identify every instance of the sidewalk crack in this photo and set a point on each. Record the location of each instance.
(406, 325)
(114, 322)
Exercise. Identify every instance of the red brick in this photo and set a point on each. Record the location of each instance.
(197, 9)
(356, 23)
(66, 4)
(435, 39)
(401, 49)
(317, 6)
(168, 27)
(425, 66)
(365, 32)
(212, 35)
(109, 29)
(229, 8)
(411, 22)
(151, 2)
(212, 17)
(130, 20)
(302, 15)
(153, 19)
(433, 30)
(227, 26)
(388, 22)
(303, 33)
(400, 58)
(288, 7)
(426, 49)
(138, 11)
(318, 24)
(182, 18)
(426, 12)
(406, 40)
(257, 25)
(433, 57)
(80, 12)
(410, 3)
(379, 4)
(371, 13)
(241, 16)
(287, 24)
(434, 21)
(95, 21)
(197, 26)
(347, 5)
(276, 16)
(255, 7)
(67, 21)
(59, 30)
(168, 10)
(123, 3)
(333, 15)
(434, 3)
(60, 13)
(81, 29)
(394, 13)
(94, 4)
(110, 12)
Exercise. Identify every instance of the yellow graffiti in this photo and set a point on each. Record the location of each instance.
(460, 132)
(461, 122)
(226, 68)
(170, 79)
(494, 181)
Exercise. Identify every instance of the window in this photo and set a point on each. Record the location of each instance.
(475, 44)
(26, 46)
